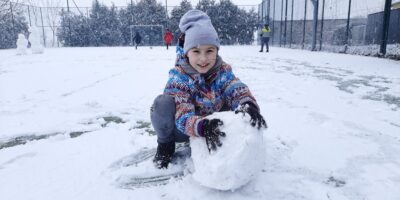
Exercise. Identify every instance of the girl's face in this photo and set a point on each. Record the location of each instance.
(202, 58)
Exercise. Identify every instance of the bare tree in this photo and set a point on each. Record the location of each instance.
(51, 13)
(53, 16)
(5, 7)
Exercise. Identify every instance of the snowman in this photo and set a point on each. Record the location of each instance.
(22, 44)
(34, 38)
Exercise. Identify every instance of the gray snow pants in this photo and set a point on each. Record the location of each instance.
(162, 116)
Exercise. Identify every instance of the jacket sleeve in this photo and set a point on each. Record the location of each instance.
(235, 91)
(178, 86)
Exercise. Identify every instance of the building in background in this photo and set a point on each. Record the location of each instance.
(396, 4)
(375, 25)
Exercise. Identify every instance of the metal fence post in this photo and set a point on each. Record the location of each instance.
(347, 27)
(29, 16)
(291, 26)
(304, 24)
(322, 25)
(273, 24)
(280, 35)
(69, 24)
(385, 29)
(285, 32)
(44, 37)
(12, 19)
(262, 12)
(315, 23)
(268, 10)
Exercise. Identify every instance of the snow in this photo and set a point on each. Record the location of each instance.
(228, 167)
(333, 123)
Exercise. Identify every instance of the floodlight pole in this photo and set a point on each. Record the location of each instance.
(347, 28)
(322, 25)
(304, 24)
(285, 33)
(12, 19)
(386, 19)
(166, 13)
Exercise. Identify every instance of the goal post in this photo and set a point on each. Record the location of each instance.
(152, 35)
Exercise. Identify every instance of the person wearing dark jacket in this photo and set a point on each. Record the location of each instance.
(200, 84)
(137, 38)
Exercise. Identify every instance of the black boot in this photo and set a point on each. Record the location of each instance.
(261, 50)
(164, 154)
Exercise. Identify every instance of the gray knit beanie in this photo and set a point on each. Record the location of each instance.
(198, 30)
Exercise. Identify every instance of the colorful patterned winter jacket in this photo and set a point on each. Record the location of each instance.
(197, 96)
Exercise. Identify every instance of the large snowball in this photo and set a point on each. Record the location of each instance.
(238, 161)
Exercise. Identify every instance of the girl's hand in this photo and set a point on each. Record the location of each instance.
(212, 133)
(256, 118)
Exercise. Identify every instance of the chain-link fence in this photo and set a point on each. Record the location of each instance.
(48, 20)
(347, 26)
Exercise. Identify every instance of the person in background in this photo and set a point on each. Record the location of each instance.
(264, 34)
(200, 84)
(137, 38)
(168, 37)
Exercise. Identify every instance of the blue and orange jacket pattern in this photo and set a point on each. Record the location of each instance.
(197, 96)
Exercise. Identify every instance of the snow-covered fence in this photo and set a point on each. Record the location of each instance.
(18, 17)
(323, 24)
(100, 25)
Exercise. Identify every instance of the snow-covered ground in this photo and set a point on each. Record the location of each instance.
(334, 123)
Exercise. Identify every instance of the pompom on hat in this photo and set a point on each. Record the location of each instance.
(198, 30)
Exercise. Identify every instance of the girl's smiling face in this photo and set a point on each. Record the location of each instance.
(203, 57)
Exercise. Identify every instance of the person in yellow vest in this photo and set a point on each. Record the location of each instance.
(264, 34)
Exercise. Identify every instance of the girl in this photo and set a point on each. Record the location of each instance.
(200, 83)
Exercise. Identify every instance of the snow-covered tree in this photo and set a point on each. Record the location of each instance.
(126, 18)
(151, 13)
(114, 28)
(74, 30)
(176, 14)
(233, 25)
(206, 5)
(105, 25)
(246, 26)
(11, 24)
(108, 27)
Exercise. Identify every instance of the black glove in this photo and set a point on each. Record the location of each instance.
(256, 117)
(212, 133)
